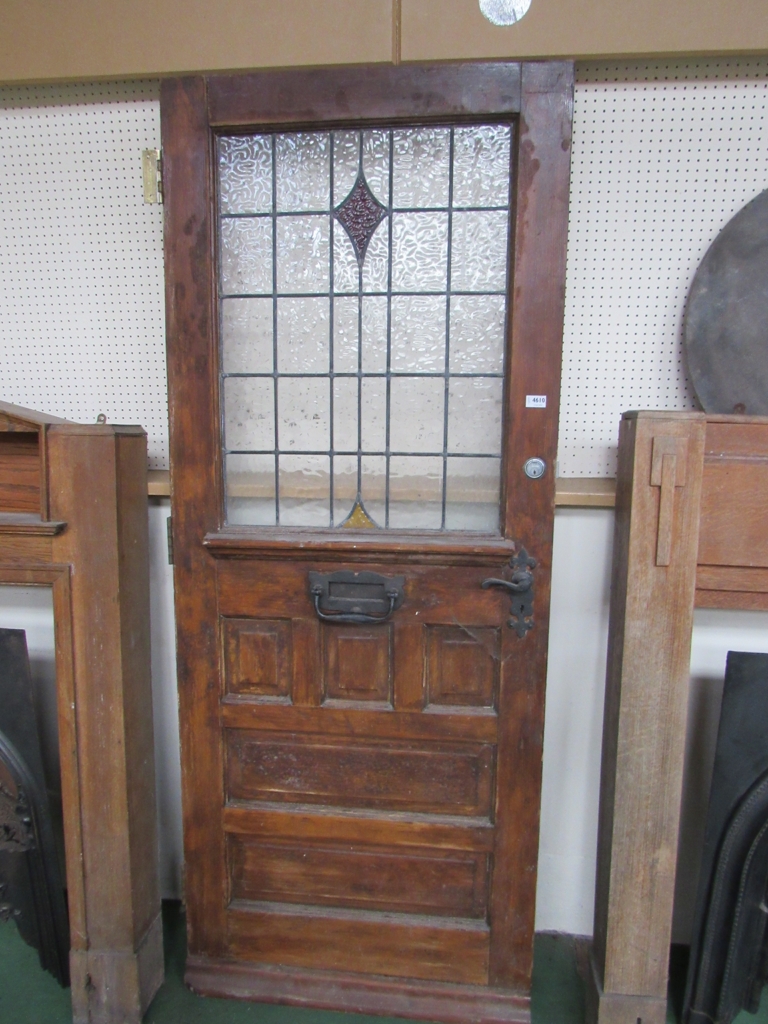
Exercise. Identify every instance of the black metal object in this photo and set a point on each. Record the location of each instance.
(361, 597)
(726, 338)
(728, 964)
(520, 588)
(31, 888)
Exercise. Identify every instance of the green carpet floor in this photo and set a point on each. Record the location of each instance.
(30, 996)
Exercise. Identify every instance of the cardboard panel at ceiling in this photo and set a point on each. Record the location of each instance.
(584, 29)
(83, 39)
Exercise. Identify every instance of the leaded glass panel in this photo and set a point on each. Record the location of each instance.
(362, 319)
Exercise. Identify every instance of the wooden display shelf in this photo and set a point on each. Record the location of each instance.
(570, 492)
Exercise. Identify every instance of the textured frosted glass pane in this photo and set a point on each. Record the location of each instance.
(479, 256)
(246, 335)
(303, 171)
(345, 335)
(346, 164)
(250, 489)
(245, 174)
(374, 414)
(419, 251)
(344, 486)
(246, 256)
(472, 494)
(346, 269)
(303, 327)
(376, 263)
(418, 333)
(302, 254)
(376, 163)
(249, 413)
(304, 413)
(345, 414)
(374, 334)
(415, 493)
(305, 490)
(416, 414)
(474, 415)
(481, 166)
(373, 489)
(477, 333)
(420, 167)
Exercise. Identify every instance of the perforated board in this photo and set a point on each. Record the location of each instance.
(82, 327)
(664, 154)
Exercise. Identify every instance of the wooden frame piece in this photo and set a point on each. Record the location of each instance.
(690, 530)
(94, 556)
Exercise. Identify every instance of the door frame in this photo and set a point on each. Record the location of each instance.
(540, 98)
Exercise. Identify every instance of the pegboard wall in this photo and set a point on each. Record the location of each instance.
(82, 316)
(664, 154)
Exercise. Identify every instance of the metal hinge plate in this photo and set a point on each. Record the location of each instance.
(152, 175)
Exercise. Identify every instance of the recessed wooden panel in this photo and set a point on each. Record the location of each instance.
(257, 657)
(462, 665)
(369, 878)
(405, 946)
(447, 779)
(19, 472)
(358, 663)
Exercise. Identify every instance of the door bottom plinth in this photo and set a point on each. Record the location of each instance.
(355, 993)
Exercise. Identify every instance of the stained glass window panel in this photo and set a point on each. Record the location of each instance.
(417, 414)
(247, 335)
(477, 333)
(481, 166)
(362, 318)
(303, 254)
(303, 335)
(246, 256)
(249, 419)
(245, 174)
(303, 413)
(418, 333)
(250, 489)
(302, 164)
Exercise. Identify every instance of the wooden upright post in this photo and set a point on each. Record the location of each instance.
(661, 458)
(98, 488)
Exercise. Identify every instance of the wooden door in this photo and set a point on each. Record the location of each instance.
(361, 361)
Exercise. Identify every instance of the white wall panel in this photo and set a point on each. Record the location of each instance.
(82, 328)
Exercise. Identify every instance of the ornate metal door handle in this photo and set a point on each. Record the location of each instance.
(520, 587)
(355, 596)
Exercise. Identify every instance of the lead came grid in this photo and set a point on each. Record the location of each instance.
(363, 302)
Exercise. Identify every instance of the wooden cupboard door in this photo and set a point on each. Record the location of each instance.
(352, 350)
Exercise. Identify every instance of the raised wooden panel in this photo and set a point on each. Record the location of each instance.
(321, 825)
(404, 945)
(257, 657)
(462, 665)
(734, 494)
(444, 778)
(358, 663)
(20, 470)
(450, 883)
